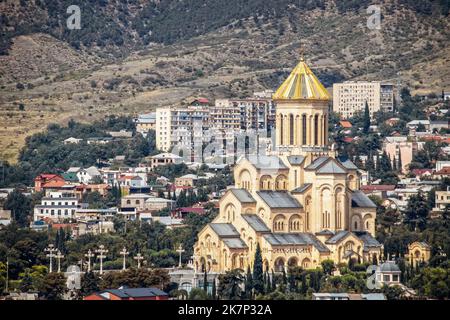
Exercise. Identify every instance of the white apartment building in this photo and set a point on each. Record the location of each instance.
(188, 126)
(57, 206)
(163, 128)
(350, 97)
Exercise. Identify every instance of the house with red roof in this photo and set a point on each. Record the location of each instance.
(49, 179)
(379, 190)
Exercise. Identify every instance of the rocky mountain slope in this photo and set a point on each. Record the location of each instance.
(53, 75)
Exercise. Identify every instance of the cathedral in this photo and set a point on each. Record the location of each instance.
(301, 203)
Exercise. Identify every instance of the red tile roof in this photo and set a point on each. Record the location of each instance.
(419, 172)
(345, 124)
(443, 171)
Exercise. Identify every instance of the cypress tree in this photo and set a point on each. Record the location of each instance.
(394, 164)
(214, 290)
(400, 165)
(258, 281)
(268, 282)
(366, 125)
(248, 284)
(292, 285)
(304, 284)
(274, 284)
(205, 280)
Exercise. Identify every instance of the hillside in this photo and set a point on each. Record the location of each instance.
(47, 77)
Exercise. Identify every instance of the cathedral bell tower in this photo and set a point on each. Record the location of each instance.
(302, 114)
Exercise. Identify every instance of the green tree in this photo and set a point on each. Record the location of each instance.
(198, 294)
(248, 284)
(366, 125)
(90, 283)
(53, 287)
(258, 281)
(327, 266)
(417, 211)
(230, 285)
(20, 206)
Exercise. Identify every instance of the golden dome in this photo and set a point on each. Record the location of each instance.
(301, 84)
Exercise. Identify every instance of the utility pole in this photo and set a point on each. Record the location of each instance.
(124, 253)
(101, 255)
(51, 254)
(89, 255)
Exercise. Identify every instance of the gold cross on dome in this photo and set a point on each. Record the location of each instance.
(302, 53)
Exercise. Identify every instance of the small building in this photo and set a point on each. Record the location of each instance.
(129, 294)
(121, 134)
(5, 217)
(46, 178)
(379, 190)
(442, 200)
(72, 140)
(418, 252)
(145, 123)
(163, 159)
(388, 273)
(57, 206)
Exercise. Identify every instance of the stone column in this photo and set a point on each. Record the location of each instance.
(278, 129)
(320, 130)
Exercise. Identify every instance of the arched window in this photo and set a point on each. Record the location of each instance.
(281, 182)
(278, 223)
(304, 129)
(291, 129)
(306, 263)
(316, 129)
(281, 129)
(279, 265)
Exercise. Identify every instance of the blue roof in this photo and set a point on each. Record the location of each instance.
(224, 230)
(367, 238)
(279, 199)
(302, 188)
(243, 195)
(136, 292)
(317, 163)
(296, 160)
(267, 162)
(235, 243)
(301, 238)
(347, 163)
(331, 167)
(338, 237)
(361, 200)
(255, 222)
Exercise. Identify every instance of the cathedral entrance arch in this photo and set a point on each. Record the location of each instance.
(279, 265)
(293, 262)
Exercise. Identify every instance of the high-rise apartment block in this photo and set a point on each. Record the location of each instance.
(350, 97)
(191, 125)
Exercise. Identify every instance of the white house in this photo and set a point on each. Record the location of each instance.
(87, 175)
(72, 140)
(388, 273)
(57, 206)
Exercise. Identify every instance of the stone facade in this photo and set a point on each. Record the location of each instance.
(301, 204)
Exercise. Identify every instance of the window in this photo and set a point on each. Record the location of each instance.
(291, 129)
(304, 129)
(316, 129)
